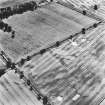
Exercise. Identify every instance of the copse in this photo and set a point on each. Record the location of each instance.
(6, 28)
(5, 12)
(17, 9)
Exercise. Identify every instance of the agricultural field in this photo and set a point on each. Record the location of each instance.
(70, 74)
(37, 29)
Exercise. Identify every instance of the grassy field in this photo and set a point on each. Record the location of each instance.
(37, 29)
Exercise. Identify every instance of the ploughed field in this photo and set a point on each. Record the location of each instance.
(72, 69)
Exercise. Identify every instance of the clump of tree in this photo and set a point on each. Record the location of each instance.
(7, 28)
(17, 9)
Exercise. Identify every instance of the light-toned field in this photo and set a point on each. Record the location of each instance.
(14, 92)
(82, 73)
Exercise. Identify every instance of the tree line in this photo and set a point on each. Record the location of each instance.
(17, 9)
